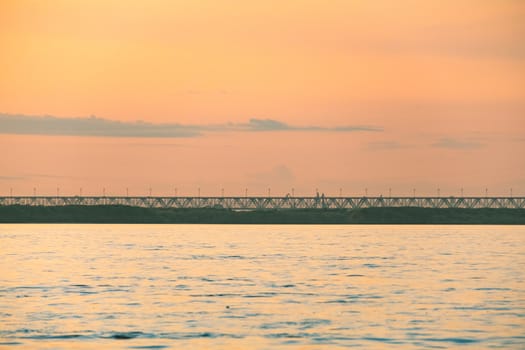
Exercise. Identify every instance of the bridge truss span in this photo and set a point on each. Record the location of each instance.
(271, 203)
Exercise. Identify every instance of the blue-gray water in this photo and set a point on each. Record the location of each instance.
(266, 287)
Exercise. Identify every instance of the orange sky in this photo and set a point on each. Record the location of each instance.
(439, 84)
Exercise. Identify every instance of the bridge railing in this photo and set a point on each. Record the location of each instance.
(267, 203)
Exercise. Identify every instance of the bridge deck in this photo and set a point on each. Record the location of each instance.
(262, 203)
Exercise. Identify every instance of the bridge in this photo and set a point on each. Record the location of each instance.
(269, 203)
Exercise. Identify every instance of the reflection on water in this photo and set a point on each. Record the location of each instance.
(212, 286)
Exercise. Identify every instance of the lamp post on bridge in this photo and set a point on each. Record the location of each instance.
(34, 191)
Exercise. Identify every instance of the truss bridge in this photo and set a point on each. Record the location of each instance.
(271, 203)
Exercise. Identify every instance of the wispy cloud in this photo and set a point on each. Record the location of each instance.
(89, 126)
(452, 143)
(275, 125)
(265, 125)
(11, 178)
(95, 126)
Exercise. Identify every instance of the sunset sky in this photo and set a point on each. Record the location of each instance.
(338, 94)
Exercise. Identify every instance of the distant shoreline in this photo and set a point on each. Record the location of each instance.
(386, 215)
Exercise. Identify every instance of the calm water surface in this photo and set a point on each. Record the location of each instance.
(266, 287)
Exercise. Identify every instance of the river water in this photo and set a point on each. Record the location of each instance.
(261, 287)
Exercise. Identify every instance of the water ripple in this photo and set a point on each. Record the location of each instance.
(208, 286)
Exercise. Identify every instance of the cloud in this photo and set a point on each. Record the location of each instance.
(451, 143)
(11, 178)
(94, 126)
(27, 176)
(90, 126)
(275, 125)
(267, 125)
